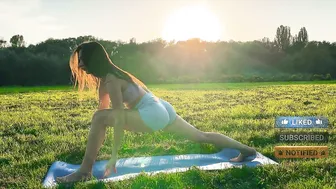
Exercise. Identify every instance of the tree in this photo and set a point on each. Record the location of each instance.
(267, 43)
(285, 57)
(283, 37)
(17, 41)
(295, 39)
(299, 41)
(303, 36)
(2, 43)
(132, 40)
(86, 38)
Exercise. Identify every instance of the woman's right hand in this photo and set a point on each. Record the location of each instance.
(111, 165)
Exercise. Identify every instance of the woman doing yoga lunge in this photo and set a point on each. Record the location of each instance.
(144, 112)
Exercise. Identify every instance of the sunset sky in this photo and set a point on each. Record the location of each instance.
(239, 20)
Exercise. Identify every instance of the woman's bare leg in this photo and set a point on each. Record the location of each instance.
(100, 121)
(95, 140)
(185, 129)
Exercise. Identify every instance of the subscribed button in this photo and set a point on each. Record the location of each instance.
(301, 122)
(302, 137)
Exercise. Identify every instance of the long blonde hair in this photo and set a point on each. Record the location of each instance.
(98, 64)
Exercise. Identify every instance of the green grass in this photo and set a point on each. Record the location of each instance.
(220, 86)
(41, 125)
(19, 89)
(189, 86)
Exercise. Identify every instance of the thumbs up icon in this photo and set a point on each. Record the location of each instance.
(319, 122)
(284, 122)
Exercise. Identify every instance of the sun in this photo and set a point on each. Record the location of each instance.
(192, 22)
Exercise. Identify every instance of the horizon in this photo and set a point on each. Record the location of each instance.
(39, 20)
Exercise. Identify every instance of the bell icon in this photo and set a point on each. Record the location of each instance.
(323, 153)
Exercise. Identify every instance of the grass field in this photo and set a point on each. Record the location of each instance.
(40, 125)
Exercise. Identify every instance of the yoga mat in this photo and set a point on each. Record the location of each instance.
(131, 167)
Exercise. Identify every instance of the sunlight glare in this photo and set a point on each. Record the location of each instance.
(192, 22)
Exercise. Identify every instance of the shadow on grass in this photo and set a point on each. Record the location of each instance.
(262, 141)
(4, 161)
(93, 185)
(73, 156)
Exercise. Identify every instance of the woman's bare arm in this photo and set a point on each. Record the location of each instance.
(114, 88)
(104, 97)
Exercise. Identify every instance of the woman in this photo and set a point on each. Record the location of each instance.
(92, 67)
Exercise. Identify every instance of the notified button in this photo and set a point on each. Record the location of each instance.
(301, 151)
(301, 122)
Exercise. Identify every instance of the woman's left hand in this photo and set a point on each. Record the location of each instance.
(110, 165)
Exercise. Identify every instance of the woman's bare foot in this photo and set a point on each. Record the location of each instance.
(74, 177)
(243, 154)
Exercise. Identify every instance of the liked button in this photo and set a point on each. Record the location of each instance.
(301, 122)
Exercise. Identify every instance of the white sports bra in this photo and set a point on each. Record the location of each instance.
(132, 92)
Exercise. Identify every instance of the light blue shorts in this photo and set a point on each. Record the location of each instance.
(155, 112)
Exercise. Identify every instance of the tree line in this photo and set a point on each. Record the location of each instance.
(285, 58)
